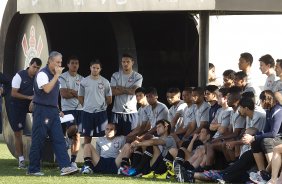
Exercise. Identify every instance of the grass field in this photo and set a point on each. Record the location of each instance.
(10, 174)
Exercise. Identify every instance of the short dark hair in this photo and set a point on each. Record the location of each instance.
(268, 60)
(211, 88)
(96, 61)
(248, 94)
(230, 74)
(165, 122)
(128, 56)
(152, 90)
(234, 90)
(188, 89)
(240, 75)
(35, 60)
(224, 91)
(280, 62)
(211, 66)
(173, 90)
(73, 57)
(199, 90)
(247, 102)
(114, 124)
(268, 97)
(140, 90)
(207, 129)
(248, 57)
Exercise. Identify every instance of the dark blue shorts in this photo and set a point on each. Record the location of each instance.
(106, 166)
(124, 122)
(77, 114)
(94, 124)
(18, 116)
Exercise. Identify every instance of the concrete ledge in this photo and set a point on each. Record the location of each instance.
(48, 154)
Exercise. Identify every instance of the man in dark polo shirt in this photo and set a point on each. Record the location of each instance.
(46, 120)
(22, 94)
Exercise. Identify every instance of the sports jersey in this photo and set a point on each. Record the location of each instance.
(68, 81)
(277, 86)
(236, 120)
(257, 121)
(141, 114)
(189, 115)
(169, 143)
(94, 92)
(223, 119)
(153, 115)
(176, 109)
(125, 103)
(202, 113)
(107, 148)
(269, 82)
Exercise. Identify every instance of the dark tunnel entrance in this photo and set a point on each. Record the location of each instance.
(164, 44)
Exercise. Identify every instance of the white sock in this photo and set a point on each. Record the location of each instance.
(21, 158)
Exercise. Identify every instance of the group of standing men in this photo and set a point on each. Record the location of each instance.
(85, 98)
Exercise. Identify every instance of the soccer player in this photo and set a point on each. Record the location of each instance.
(123, 84)
(94, 95)
(106, 158)
(70, 81)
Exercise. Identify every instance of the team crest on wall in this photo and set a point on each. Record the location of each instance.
(31, 47)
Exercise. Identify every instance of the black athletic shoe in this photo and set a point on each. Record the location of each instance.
(187, 175)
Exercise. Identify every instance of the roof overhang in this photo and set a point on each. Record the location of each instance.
(64, 6)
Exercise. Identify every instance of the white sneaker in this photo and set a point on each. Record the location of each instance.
(256, 177)
(120, 169)
(86, 170)
(68, 171)
(74, 165)
(35, 174)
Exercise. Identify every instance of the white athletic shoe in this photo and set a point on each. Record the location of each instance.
(74, 165)
(68, 171)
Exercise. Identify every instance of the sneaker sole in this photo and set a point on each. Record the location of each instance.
(70, 173)
(177, 172)
(32, 174)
